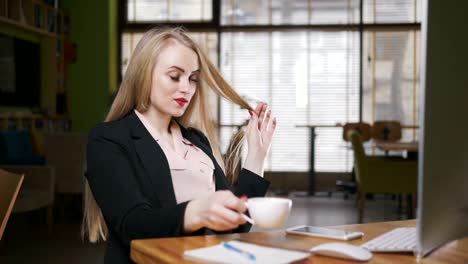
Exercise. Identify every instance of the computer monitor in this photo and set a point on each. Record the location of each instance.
(443, 160)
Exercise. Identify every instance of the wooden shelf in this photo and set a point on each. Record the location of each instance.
(34, 16)
(51, 25)
(26, 27)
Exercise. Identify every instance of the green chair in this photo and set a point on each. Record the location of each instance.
(380, 175)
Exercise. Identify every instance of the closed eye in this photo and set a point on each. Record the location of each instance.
(194, 77)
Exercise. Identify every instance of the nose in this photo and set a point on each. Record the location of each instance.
(185, 86)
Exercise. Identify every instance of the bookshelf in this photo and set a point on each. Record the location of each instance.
(34, 15)
(51, 25)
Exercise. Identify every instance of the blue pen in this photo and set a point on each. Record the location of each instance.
(240, 251)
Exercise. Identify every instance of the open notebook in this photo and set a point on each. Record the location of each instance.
(241, 252)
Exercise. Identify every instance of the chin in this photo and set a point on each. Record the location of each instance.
(178, 113)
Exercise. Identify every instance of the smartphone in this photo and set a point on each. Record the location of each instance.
(324, 232)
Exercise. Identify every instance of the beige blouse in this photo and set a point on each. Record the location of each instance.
(191, 169)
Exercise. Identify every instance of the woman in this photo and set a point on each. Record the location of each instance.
(151, 172)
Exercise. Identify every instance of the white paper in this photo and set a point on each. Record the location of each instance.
(220, 254)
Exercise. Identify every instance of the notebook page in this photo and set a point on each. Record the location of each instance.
(220, 254)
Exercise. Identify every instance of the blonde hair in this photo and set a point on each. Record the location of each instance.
(134, 93)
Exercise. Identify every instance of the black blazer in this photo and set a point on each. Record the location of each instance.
(130, 178)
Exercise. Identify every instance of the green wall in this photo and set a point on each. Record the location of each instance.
(113, 35)
(93, 28)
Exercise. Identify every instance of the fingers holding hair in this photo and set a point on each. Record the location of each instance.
(253, 121)
(258, 108)
(261, 114)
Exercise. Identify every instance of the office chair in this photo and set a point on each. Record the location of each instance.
(379, 175)
(364, 129)
(10, 184)
(385, 130)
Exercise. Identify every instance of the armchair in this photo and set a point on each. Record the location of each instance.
(365, 131)
(379, 175)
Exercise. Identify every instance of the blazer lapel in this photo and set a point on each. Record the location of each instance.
(220, 178)
(154, 161)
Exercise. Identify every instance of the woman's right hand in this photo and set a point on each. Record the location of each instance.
(219, 211)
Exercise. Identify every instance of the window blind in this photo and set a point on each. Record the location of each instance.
(168, 10)
(129, 42)
(307, 78)
(291, 12)
(396, 11)
(391, 78)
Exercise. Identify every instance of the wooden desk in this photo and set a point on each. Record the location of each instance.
(399, 146)
(170, 250)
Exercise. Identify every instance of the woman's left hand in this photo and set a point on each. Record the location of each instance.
(259, 134)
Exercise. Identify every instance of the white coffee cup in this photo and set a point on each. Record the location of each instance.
(269, 212)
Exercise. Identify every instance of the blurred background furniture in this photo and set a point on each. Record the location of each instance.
(379, 175)
(16, 148)
(363, 128)
(66, 153)
(10, 185)
(411, 148)
(365, 131)
(37, 192)
(22, 136)
(34, 144)
(21, 152)
(386, 130)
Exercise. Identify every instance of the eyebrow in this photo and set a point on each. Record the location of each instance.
(182, 70)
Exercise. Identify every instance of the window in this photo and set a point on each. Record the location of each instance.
(167, 10)
(391, 83)
(312, 70)
(396, 11)
(292, 12)
(306, 77)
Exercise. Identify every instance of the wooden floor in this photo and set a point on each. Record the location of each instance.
(26, 242)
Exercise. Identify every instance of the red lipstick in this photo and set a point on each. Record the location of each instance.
(181, 101)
